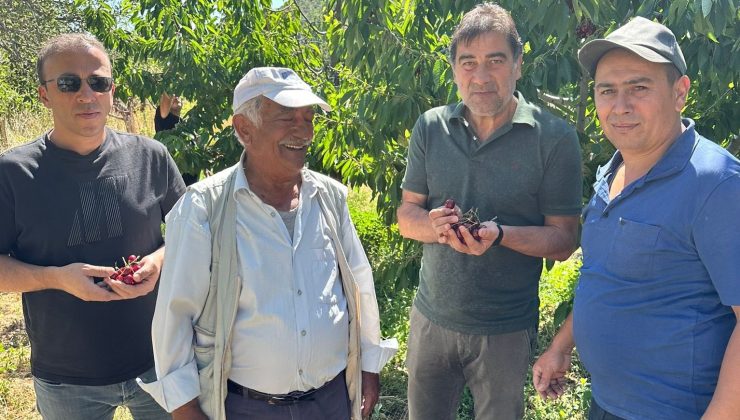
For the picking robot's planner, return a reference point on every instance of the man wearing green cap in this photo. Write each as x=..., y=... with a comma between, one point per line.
x=656, y=310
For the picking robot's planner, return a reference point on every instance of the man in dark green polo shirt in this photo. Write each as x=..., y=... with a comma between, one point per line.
x=475, y=316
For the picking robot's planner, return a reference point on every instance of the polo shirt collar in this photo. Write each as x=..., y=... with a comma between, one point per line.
x=674, y=160
x=524, y=113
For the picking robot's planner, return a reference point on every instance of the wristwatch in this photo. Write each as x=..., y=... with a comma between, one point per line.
x=500, y=236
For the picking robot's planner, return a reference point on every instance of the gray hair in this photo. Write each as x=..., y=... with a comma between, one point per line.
x=482, y=19
x=64, y=43
x=251, y=110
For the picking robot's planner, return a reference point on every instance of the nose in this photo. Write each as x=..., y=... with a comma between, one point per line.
x=481, y=74
x=303, y=124
x=622, y=103
x=304, y=129
x=85, y=94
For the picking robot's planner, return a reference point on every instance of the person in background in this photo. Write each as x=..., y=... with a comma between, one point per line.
x=166, y=117
x=167, y=114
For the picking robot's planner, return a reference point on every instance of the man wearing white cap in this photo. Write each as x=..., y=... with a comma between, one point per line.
x=271, y=311
x=656, y=311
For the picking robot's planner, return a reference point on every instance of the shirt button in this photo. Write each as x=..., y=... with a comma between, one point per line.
x=300, y=371
x=303, y=332
x=300, y=292
x=272, y=214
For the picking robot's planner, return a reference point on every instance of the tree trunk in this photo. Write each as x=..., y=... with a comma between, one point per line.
x=132, y=125
x=4, y=139
x=582, y=102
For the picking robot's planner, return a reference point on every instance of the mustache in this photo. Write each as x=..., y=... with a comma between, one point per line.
x=488, y=87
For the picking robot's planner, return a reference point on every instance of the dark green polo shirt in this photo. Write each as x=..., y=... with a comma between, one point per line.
x=527, y=169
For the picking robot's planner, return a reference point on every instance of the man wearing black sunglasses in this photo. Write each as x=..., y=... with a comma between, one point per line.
x=73, y=203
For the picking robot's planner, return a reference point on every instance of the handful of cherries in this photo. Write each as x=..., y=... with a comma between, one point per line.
x=469, y=219
x=126, y=272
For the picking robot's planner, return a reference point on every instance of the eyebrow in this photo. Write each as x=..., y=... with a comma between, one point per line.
x=497, y=54
x=636, y=81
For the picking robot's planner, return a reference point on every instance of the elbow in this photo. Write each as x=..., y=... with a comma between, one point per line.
x=403, y=223
x=403, y=230
x=564, y=253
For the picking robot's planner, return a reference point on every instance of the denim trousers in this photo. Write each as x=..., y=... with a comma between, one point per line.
x=441, y=362
x=58, y=401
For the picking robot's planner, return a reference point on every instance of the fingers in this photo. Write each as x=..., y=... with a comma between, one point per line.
x=97, y=271
x=546, y=385
x=442, y=219
x=468, y=245
x=130, y=291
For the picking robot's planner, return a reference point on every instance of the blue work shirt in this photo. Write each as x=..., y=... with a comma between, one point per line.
x=661, y=270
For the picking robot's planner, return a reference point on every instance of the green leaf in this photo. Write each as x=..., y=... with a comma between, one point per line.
x=561, y=313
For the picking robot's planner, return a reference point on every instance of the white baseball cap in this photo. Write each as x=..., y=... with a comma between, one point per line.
x=279, y=84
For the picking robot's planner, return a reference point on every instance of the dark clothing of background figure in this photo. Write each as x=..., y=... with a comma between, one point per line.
x=168, y=123
x=58, y=207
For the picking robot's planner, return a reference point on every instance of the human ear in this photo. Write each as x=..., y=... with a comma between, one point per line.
x=242, y=128
x=681, y=91
x=43, y=95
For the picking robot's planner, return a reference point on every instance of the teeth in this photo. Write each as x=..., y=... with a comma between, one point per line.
x=294, y=147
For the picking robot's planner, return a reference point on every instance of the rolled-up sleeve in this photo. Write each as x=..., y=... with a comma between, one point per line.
x=375, y=352
x=183, y=288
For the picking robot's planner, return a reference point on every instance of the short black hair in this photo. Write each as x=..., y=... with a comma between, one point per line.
x=66, y=42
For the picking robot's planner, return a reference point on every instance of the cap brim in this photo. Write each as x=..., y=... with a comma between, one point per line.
x=296, y=98
x=592, y=52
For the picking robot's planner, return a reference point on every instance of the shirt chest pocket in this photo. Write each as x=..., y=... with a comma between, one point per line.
x=633, y=250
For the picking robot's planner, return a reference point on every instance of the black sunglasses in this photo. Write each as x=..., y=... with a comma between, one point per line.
x=73, y=83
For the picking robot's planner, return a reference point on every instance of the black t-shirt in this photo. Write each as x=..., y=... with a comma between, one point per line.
x=168, y=123
x=57, y=208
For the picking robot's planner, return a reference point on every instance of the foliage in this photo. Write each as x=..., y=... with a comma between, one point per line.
x=24, y=26
x=557, y=287
x=10, y=99
x=198, y=50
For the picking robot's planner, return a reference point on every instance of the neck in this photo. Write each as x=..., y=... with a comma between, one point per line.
x=485, y=125
x=635, y=165
x=281, y=192
x=79, y=144
x=638, y=163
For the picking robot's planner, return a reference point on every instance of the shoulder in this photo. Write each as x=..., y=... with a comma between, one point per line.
x=138, y=144
x=712, y=160
x=440, y=114
x=328, y=183
x=24, y=156
x=548, y=123
x=214, y=182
